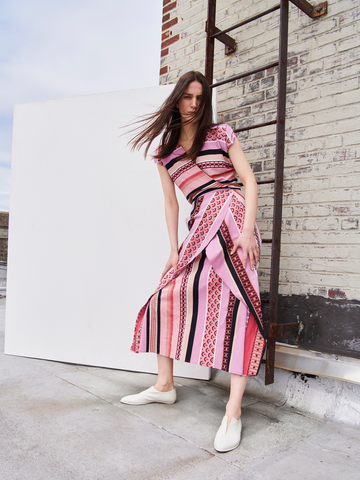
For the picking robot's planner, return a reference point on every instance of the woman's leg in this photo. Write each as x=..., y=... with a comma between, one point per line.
x=229, y=434
x=237, y=389
x=165, y=379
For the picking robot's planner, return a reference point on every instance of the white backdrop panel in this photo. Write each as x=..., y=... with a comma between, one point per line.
x=87, y=239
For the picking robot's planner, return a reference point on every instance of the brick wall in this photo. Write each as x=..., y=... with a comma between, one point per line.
x=4, y=226
x=320, y=254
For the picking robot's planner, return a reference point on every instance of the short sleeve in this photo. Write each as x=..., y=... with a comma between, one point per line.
x=230, y=136
x=158, y=161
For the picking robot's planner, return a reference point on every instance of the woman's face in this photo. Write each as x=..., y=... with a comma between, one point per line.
x=190, y=101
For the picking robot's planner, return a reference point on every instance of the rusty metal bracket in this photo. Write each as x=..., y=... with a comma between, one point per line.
x=284, y=330
x=312, y=11
x=230, y=45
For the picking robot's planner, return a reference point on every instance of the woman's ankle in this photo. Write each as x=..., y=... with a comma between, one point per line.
x=164, y=386
x=233, y=412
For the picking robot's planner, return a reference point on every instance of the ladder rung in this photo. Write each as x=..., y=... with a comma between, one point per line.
x=264, y=182
x=261, y=182
x=237, y=77
x=265, y=124
x=240, y=24
x=267, y=240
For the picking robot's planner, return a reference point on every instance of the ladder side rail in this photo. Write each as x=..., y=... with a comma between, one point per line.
x=210, y=41
x=278, y=190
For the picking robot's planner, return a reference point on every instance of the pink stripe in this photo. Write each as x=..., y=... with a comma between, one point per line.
x=142, y=347
x=221, y=330
x=197, y=345
x=191, y=179
x=237, y=351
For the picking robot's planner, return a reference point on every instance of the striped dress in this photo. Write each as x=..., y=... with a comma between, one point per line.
x=207, y=311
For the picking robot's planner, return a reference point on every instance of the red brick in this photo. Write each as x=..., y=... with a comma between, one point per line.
x=165, y=35
x=336, y=293
x=172, y=22
x=165, y=18
x=165, y=2
x=164, y=52
x=292, y=61
x=170, y=41
x=164, y=70
x=169, y=7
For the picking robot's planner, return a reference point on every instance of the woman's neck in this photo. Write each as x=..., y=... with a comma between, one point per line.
x=187, y=135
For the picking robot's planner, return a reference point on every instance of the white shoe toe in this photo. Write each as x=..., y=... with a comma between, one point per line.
x=227, y=439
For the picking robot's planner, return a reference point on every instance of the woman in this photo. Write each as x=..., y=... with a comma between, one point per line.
x=206, y=309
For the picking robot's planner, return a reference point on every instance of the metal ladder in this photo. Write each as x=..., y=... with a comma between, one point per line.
x=275, y=330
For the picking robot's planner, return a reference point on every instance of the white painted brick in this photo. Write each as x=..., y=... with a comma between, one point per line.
x=348, y=43
x=316, y=79
x=336, y=7
x=180, y=9
x=355, y=194
x=342, y=33
x=328, y=251
x=317, y=104
x=318, y=53
x=353, y=281
x=352, y=180
x=348, y=125
x=317, y=28
x=321, y=187
x=194, y=12
x=179, y=63
x=336, y=60
x=351, y=138
x=335, y=114
x=349, y=71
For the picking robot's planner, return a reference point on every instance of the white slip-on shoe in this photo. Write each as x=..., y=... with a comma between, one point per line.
x=151, y=395
x=227, y=439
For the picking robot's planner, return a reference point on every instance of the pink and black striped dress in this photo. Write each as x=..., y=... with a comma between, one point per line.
x=207, y=311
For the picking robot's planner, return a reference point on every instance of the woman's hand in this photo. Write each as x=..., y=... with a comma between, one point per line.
x=172, y=262
x=247, y=242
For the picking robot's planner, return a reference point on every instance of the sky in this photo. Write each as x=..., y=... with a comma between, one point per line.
x=53, y=49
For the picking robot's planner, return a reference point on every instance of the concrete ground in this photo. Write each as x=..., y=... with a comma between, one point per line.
x=61, y=421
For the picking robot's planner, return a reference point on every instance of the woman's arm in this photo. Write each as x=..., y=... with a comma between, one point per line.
x=246, y=239
x=172, y=217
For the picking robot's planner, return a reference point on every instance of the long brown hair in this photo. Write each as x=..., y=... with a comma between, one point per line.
x=167, y=121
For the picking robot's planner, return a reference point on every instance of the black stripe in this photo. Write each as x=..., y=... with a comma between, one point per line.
x=173, y=161
x=238, y=282
x=203, y=153
x=262, y=356
x=212, y=190
x=232, y=333
x=195, y=307
x=193, y=209
x=158, y=321
x=217, y=151
x=210, y=151
x=200, y=188
x=148, y=327
x=229, y=181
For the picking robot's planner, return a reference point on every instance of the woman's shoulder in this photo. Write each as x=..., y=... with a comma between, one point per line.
x=222, y=133
x=163, y=161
